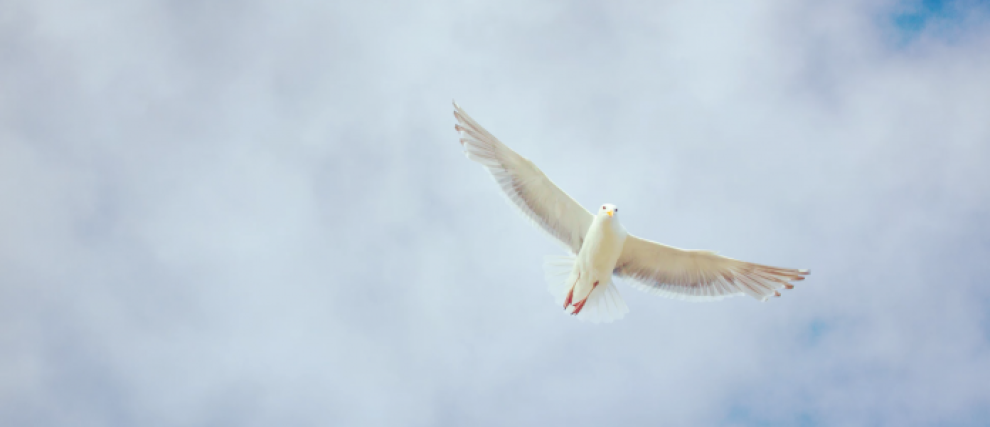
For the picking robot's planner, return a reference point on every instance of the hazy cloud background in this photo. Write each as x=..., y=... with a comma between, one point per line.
x=256, y=213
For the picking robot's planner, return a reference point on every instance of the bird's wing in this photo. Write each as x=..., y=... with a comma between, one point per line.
x=698, y=275
x=524, y=184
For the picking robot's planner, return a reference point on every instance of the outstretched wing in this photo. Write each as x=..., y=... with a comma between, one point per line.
x=524, y=184
x=698, y=275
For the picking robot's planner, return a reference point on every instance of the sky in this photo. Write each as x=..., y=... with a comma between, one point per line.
x=257, y=213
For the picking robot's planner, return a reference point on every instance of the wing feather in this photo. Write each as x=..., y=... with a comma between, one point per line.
x=524, y=184
x=699, y=275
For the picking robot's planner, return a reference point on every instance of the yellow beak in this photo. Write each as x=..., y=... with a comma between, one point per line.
x=609, y=213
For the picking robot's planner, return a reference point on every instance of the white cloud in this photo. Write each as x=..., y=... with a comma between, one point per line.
x=258, y=213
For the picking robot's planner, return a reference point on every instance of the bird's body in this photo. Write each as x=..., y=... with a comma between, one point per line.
x=602, y=249
x=596, y=260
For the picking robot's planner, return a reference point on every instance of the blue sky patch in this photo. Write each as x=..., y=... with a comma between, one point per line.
x=914, y=19
x=743, y=416
x=816, y=330
x=917, y=16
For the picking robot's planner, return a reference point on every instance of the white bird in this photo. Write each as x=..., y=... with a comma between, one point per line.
x=602, y=248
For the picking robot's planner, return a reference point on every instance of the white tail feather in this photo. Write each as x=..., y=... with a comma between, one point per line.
x=556, y=270
x=604, y=305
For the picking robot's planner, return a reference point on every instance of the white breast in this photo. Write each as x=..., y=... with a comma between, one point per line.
x=599, y=253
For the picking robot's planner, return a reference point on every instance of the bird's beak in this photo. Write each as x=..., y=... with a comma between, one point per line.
x=609, y=213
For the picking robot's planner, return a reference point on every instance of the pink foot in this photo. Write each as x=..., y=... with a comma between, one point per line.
x=580, y=305
x=567, y=301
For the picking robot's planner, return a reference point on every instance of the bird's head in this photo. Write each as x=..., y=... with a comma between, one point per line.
x=608, y=209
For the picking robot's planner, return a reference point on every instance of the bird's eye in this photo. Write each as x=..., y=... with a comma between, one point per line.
x=617, y=209
x=603, y=207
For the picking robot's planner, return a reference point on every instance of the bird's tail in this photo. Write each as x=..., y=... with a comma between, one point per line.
x=604, y=304
x=556, y=270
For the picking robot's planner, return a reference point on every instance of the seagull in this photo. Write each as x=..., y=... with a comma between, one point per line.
x=601, y=249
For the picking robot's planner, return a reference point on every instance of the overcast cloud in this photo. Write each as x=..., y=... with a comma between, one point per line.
x=257, y=213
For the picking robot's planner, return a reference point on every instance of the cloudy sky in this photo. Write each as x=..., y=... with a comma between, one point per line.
x=223, y=213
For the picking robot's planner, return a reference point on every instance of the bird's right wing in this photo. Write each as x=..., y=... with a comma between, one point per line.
x=524, y=184
x=698, y=275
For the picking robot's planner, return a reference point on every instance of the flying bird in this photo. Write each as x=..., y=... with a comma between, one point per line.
x=601, y=249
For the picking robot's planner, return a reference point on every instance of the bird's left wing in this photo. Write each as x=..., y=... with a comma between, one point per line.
x=524, y=184
x=699, y=275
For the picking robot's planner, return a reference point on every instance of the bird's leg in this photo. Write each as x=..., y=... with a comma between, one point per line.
x=570, y=293
x=580, y=305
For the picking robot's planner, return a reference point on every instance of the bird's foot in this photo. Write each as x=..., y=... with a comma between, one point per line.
x=570, y=296
x=578, y=307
